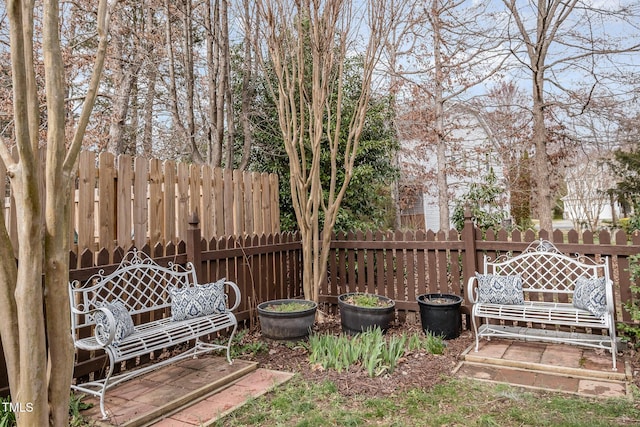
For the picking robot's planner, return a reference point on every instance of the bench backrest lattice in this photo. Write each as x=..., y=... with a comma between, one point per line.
x=544, y=268
x=139, y=283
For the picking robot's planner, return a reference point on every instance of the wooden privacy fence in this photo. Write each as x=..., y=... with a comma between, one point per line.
x=123, y=201
x=401, y=265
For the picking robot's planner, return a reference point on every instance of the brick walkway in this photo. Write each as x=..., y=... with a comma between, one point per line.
x=185, y=394
x=553, y=367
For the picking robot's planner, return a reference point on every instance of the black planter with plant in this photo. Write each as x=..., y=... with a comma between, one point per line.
x=440, y=314
x=361, y=311
x=287, y=319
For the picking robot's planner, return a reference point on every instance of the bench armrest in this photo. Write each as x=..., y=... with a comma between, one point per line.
x=472, y=289
x=237, y=296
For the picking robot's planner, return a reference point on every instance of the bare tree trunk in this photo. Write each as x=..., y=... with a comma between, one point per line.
x=147, y=137
x=187, y=48
x=247, y=84
x=175, y=115
x=117, y=143
x=214, y=150
x=40, y=377
x=441, y=143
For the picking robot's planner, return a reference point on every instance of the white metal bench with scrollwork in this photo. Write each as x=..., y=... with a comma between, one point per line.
x=542, y=286
x=180, y=310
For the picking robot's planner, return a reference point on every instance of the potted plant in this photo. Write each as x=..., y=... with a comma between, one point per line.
x=360, y=311
x=440, y=314
x=287, y=319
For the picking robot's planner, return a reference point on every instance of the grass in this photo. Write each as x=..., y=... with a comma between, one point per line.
x=454, y=402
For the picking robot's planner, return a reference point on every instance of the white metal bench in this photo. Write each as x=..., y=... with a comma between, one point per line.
x=548, y=280
x=145, y=288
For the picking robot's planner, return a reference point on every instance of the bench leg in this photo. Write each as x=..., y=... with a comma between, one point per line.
x=235, y=327
x=104, y=390
x=475, y=330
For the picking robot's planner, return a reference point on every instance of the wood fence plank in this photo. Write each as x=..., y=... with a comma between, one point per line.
x=228, y=202
x=140, y=202
x=169, y=202
x=106, y=201
x=182, y=195
x=432, y=268
x=86, y=201
x=256, y=204
x=206, y=217
x=195, y=195
x=352, y=281
x=274, y=204
x=266, y=201
x=156, y=205
x=124, y=208
x=247, y=199
x=218, y=203
x=238, y=204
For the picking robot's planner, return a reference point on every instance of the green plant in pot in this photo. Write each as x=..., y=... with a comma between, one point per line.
x=287, y=319
x=361, y=311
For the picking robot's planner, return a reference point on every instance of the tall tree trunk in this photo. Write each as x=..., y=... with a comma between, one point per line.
x=188, y=62
x=441, y=143
x=147, y=136
x=248, y=88
x=173, y=92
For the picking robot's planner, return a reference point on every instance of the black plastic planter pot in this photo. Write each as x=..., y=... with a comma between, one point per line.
x=356, y=319
x=286, y=325
x=440, y=314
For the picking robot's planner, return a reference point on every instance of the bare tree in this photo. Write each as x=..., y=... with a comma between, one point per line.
x=552, y=38
x=34, y=320
x=308, y=42
x=457, y=54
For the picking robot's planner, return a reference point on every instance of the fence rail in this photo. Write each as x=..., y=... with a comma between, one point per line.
x=400, y=265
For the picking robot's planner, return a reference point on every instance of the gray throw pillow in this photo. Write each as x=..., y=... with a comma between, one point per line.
x=124, y=322
x=499, y=289
x=199, y=300
x=590, y=294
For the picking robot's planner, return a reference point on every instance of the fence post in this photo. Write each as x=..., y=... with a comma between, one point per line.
x=469, y=261
x=194, y=244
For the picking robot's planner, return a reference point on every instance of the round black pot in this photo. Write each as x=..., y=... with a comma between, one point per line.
x=286, y=325
x=356, y=319
x=440, y=314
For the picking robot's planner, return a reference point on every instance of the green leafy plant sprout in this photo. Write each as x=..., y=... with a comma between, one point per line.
x=366, y=300
x=7, y=417
x=370, y=351
x=289, y=307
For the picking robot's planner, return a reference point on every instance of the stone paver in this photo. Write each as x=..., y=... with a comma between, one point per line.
x=561, y=355
x=527, y=352
x=553, y=367
x=602, y=388
x=492, y=349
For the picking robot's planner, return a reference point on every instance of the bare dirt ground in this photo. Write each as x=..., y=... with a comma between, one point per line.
x=415, y=370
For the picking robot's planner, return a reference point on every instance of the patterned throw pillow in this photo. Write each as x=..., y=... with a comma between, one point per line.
x=497, y=289
x=199, y=300
x=124, y=322
x=590, y=294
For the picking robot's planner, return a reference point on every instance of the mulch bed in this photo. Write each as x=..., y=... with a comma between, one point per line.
x=418, y=369
x=415, y=370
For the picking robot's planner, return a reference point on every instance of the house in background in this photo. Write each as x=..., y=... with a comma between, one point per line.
x=470, y=157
